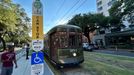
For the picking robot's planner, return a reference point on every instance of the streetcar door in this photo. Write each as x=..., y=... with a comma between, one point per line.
x=53, y=46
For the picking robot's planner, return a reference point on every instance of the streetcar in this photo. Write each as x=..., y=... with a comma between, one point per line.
x=63, y=45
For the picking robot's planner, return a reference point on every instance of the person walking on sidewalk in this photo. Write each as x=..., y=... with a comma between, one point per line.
x=27, y=51
x=7, y=59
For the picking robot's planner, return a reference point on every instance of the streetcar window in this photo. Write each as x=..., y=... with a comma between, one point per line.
x=54, y=39
x=62, y=29
x=78, y=30
x=75, y=40
x=63, y=40
x=79, y=40
x=71, y=30
x=72, y=40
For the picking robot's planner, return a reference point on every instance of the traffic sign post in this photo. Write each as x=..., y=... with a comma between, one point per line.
x=37, y=63
x=37, y=58
x=37, y=26
x=37, y=69
x=37, y=45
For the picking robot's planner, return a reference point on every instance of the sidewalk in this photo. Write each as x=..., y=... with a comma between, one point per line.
x=24, y=66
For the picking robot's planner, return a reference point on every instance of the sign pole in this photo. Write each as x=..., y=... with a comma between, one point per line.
x=37, y=58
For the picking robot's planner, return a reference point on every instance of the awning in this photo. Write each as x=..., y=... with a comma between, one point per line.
x=123, y=33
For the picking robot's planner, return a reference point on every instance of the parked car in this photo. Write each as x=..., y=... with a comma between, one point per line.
x=88, y=47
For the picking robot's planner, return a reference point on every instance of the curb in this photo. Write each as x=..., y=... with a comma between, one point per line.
x=49, y=69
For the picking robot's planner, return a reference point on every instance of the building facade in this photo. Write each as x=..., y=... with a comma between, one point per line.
x=104, y=5
x=111, y=37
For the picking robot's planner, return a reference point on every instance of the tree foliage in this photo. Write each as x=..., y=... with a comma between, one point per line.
x=89, y=22
x=7, y=17
x=123, y=10
x=89, y=19
x=14, y=22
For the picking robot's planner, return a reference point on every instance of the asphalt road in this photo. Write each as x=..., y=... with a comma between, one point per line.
x=123, y=53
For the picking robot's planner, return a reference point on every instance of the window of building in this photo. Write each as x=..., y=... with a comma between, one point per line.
x=111, y=2
x=99, y=3
x=100, y=8
x=97, y=0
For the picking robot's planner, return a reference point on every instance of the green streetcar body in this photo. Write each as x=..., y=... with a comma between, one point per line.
x=63, y=45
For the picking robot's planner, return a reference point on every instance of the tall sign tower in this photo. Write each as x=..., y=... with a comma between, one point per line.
x=37, y=58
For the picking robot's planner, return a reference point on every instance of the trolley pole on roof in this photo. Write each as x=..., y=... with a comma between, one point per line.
x=37, y=58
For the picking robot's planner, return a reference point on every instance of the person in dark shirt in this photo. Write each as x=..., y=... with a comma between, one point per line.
x=7, y=59
x=27, y=51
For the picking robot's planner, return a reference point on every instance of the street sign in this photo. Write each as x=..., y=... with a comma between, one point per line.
x=37, y=8
x=37, y=58
x=37, y=45
x=37, y=63
x=37, y=26
x=37, y=69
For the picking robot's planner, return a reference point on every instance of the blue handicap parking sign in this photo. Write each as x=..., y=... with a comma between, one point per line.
x=37, y=58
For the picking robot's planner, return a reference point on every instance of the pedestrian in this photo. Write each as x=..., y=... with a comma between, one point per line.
x=27, y=51
x=7, y=59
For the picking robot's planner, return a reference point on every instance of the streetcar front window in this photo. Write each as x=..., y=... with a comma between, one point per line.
x=63, y=39
x=72, y=40
x=75, y=40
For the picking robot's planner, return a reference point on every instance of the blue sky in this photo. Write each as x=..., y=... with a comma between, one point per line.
x=52, y=16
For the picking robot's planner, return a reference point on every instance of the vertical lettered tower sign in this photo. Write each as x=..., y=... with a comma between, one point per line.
x=37, y=58
x=37, y=26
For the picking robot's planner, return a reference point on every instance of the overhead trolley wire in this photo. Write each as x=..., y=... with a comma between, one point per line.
x=78, y=8
x=59, y=9
x=69, y=10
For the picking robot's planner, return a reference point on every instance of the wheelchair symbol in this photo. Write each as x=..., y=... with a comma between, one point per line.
x=37, y=60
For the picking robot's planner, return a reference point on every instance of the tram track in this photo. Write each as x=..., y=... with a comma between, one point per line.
x=74, y=70
x=99, y=64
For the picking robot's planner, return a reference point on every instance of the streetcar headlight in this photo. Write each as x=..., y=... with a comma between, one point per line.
x=74, y=54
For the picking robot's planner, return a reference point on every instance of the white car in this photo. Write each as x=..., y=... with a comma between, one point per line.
x=88, y=47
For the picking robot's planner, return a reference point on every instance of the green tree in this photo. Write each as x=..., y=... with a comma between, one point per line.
x=123, y=10
x=92, y=20
x=23, y=26
x=14, y=22
x=89, y=22
x=76, y=20
x=7, y=18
